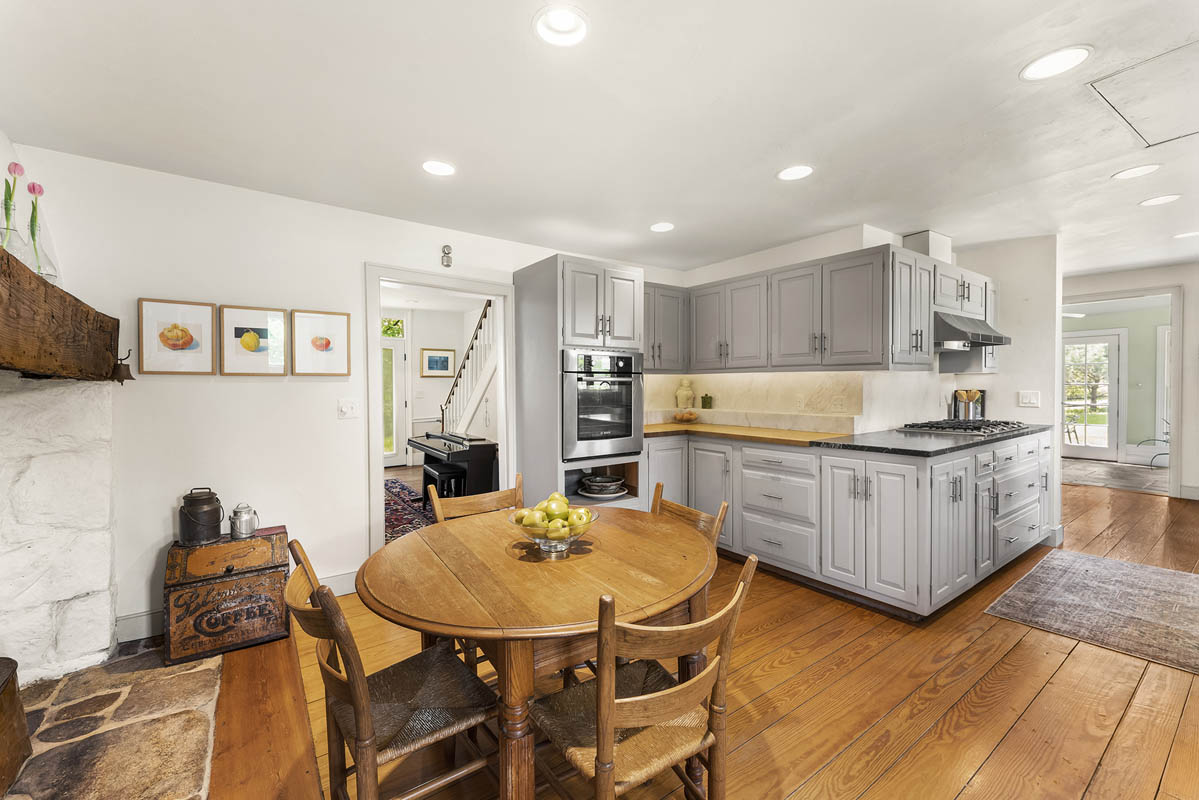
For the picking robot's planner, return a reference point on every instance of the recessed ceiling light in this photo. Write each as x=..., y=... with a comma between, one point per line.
x=1160, y=201
x=439, y=168
x=563, y=26
x=1186, y=235
x=662, y=227
x=794, y=173
x=1072, y=316
x=1136, y=172
x=1056, y=63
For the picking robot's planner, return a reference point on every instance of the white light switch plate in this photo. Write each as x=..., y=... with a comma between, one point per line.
x=347, y=408
x=1030, y=399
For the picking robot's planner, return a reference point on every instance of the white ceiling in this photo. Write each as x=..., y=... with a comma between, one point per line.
x=679, y=110
x=1119, y=305
x=427, y=298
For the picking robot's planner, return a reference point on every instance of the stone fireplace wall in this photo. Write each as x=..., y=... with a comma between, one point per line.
x=56, y=524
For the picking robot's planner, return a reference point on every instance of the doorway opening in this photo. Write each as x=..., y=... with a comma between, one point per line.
x=1118, y=375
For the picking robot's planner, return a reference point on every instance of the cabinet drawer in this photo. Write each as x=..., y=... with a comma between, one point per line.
x=984, y=463
x=1018, y=488
x=1015, y=535
x=778, y=542
x=1005, y=456
x=1029, y=450
x=779, y=494
x=1045, y=445
x=777, y=459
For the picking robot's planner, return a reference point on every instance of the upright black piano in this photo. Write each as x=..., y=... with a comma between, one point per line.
x=480, y=457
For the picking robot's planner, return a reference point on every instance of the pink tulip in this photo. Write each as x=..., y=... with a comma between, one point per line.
x=36, y=189
x=15, y=169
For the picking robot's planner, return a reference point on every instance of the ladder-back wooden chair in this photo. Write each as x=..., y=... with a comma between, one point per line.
x=635, y=720
x=710, y=526
x=428, y=698
x=453, y=507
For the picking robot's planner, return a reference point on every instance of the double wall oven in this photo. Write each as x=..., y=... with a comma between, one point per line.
x=602, y=407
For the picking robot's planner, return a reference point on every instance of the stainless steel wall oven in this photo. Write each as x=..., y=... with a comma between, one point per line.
x=602, y=407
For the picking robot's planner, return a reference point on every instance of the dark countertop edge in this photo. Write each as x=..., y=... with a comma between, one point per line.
x=967, y=443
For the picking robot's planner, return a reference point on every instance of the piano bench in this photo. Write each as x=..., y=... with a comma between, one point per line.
x=450, y=480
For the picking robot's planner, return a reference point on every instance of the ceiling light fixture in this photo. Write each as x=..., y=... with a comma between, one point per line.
x=561, y=26
x=438, y=168
x=662, y=227
x=1072, y=315
x=1136, y=172
x=1160, y=201
x=1055, y=63
x=1186, y=235
x=794, y=173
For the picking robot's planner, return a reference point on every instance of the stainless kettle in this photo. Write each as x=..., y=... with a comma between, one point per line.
x=240, y=524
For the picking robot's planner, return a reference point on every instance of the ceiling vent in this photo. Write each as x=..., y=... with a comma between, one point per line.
x=1157, y=98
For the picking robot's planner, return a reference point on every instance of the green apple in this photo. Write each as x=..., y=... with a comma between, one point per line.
x=557, y=530
x=557, y=509
x=535, y=519
x=541, y=506
x=578, y=516
x=519, y=515
x=557, y=496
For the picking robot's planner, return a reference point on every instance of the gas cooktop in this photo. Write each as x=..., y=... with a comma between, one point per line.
x=968, y=427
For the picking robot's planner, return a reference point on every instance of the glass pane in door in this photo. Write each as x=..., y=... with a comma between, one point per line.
x=1087, y=413
x=389, y=411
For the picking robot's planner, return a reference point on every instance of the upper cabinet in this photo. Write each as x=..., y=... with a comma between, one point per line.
x=708, y=314
x=795, y=309
x=602, y=306
x=911, y=308
x=666, y=328
x=746, y=331
x=959, y=291
x=853, y=310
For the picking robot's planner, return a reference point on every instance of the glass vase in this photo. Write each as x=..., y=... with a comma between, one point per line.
x=38, y=260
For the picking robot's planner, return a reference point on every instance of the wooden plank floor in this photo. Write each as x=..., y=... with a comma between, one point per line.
x=831, y=700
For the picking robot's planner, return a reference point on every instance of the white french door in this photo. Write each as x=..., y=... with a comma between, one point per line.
x=395, y=411
x=1091, y=392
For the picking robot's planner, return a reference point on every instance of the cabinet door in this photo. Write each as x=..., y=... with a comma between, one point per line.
x=707, y=328
x=668, y=465
x=942, y=516
x=745, y=343
x=903, y=328
x=853, y=312
x=922, y=311
x=842, y=520
x=890, y=495
x=974, y=295
x=984, y=527
x=1046, y=495
x=624, y=305
x=582, y=303
x=670, y=319
x=947, y=287
x=795, y=317
x=991, y=354
x=711, y=483
x=649, y=325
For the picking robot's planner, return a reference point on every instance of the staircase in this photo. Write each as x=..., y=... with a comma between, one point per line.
x=474, y=373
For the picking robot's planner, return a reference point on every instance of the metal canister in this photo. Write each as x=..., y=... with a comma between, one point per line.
x=240, y=524
x=200, y=517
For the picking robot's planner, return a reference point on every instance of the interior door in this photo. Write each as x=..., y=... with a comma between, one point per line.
x=1091, y=371
x=395, y=413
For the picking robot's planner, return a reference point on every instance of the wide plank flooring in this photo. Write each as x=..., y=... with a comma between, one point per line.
x=831, y=700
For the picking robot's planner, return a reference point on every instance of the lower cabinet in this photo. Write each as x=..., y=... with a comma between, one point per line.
x=842, y=520
x=984, y=527
x=668, y=465
x=710, y=467
x=951, y=523
x=786, y=544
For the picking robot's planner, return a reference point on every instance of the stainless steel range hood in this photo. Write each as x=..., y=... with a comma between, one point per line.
x=955, y=332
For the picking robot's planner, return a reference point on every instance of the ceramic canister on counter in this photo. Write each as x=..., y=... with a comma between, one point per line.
x=200, y=517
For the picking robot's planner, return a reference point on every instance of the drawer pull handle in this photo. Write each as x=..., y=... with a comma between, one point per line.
x=773, y=496
x=774, y=542
x=1009, y=494
x=1033, y=527
x=1047, y=447
x=1008, y=458
x=1011, y=539
x=773, y=460
x=1032, y=486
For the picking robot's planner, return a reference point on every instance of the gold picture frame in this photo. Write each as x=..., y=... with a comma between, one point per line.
x=441, y=362
x=320, y=343
x=176, y=337
x=269, y=324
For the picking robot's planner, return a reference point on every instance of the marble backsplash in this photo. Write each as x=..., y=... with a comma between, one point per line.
x=818, y=423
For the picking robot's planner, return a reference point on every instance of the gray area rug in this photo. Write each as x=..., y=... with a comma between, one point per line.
x=1147, y=612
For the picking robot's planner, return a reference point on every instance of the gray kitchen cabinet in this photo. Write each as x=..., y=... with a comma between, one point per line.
x=974, y=294
x=1046, y=496
x=952, y=528
x=842, y=520
x=707, y=327
x=601, y=306
x=947, y=288
x=795, y=308
x=904, y=331
x=853, y=311
x=666, y=324
x=668, y=465
x=711, y=482
x=991, y=354
x=889, y=494
x=746, y=334
x=922, y=311
x=984, y=527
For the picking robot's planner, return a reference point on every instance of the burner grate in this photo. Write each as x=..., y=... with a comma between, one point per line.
x=976, y=427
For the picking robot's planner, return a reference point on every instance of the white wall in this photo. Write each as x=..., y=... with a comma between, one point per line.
x=437, y=330
x=275, y=443
x=832, y=243
x=1186, y=276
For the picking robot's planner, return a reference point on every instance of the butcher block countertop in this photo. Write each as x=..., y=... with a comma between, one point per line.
x=745, y=433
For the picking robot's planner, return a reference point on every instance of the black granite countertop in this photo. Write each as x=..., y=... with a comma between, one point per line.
x=920, y=444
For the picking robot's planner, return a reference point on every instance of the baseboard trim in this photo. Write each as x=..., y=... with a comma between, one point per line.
x=1189, y=492
x=145, y=624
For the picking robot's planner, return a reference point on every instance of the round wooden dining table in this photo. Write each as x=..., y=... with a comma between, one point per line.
x=478, y=578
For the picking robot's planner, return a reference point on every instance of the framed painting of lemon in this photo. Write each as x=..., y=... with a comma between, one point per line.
x=176, y=337
x=253, y=341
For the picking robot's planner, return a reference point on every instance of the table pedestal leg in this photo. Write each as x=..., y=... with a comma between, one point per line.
x=515, y=668
x=690, y=666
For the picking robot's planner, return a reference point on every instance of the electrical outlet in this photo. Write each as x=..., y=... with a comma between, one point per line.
x=1030, y=399
x=801, y=402
x=347, y=408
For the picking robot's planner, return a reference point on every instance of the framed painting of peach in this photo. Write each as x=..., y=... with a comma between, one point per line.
x=320, y=343
x=176, y=337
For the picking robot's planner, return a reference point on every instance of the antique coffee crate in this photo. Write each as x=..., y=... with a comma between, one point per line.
x=225, y=595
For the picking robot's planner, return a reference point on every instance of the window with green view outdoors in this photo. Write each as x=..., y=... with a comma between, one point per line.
x=389, y=420
x=393, y=328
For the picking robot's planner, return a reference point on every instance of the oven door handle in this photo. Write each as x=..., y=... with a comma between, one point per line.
x=605, y=379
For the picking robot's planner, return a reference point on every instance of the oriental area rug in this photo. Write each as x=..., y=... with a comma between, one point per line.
x=402, y=510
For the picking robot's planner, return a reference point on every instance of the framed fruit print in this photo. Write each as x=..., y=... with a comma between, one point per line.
x=176, y=337
x=320, y=343
x=253, y=340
